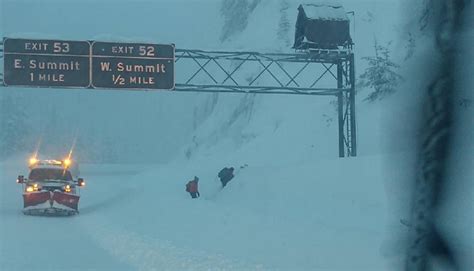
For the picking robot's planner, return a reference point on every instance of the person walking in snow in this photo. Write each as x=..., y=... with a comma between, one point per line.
x=225, y=175
x=192, y=187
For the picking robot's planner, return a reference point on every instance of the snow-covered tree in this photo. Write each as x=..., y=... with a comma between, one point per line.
x=381, y=75
x=88, y=147
x=13, y=124
x=109, y=151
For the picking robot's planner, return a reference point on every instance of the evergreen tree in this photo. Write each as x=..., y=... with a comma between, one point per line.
x=109, y=152
x=88, y=148
x=13, y=124
x=381, y=75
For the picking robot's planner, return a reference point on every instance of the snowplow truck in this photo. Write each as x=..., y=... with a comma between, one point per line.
x=50, y=189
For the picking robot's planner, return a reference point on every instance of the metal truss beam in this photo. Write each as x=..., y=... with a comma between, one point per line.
x=331, y=73
x=272, y=65
x=302, y=56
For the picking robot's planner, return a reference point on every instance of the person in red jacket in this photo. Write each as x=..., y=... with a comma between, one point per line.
x=192, y=188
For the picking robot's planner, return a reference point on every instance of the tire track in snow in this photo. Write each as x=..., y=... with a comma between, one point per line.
x=149, y=253
x=141, y=251
x=122, y=196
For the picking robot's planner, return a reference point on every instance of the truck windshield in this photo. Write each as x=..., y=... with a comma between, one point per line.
x=40, y=174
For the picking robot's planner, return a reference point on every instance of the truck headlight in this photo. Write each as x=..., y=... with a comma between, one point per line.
x=32, y=188
x=67, y=188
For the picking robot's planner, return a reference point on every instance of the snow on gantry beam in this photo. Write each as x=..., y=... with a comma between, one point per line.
x=301, y=56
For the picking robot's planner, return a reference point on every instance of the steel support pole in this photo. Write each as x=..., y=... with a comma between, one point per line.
x=340, y=110
x=352, y=109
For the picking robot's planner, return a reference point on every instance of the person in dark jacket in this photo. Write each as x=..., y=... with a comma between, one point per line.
x=225, y=175
x=192, y=188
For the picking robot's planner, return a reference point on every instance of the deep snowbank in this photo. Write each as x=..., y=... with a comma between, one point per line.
x=302, y=217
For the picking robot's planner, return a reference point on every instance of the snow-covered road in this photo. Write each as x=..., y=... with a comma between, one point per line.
x=336, y=214
x=139, y=218
x=46, y=243
x=101, y=237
